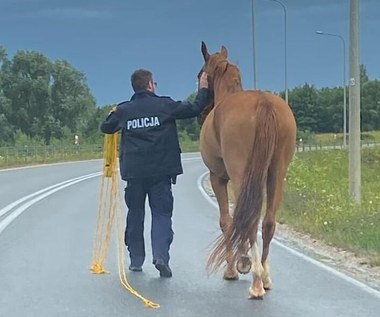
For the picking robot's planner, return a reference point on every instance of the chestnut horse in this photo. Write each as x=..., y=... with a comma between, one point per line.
x=247, y=138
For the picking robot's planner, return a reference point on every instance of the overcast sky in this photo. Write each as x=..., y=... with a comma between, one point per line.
x=108, y=40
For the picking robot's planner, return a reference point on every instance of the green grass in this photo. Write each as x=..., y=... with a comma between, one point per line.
x=22, y=156
x=317, y=201
x=189, y=146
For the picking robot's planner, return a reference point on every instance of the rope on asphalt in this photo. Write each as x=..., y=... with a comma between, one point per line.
x=109, y=212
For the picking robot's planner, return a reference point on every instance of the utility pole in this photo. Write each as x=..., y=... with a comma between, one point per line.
x=354, y=117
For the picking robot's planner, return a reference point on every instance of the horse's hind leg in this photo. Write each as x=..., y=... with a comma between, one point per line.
x=256, y=291
x=275, y=183
x=219, y=185
x=260, y=269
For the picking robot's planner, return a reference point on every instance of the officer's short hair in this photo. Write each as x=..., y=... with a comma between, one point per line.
x=140, y=79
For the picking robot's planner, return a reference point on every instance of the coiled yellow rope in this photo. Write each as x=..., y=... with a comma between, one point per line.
x=109, y=211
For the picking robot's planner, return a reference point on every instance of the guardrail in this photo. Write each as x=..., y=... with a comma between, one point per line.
x=314, y=147
x=23, y=155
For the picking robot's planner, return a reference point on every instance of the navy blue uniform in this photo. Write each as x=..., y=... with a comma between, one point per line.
x=150, y=158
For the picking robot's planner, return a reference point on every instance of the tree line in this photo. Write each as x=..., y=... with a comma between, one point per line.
x=42, y=101
x=321, y=110
x=47, y=102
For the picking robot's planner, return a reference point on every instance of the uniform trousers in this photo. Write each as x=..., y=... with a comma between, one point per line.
x=160, y=198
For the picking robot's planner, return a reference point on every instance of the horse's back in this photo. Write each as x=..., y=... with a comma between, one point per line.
x=237, y=114
x=242, y=106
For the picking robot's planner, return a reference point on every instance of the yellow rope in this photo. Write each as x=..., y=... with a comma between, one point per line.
x=109, y=210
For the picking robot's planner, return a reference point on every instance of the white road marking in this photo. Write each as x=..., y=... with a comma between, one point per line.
x=52, y=189
x=9, y=207
x=41, y=194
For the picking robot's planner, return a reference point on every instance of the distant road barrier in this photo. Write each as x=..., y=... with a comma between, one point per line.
x=24, y=155
x=315, y=147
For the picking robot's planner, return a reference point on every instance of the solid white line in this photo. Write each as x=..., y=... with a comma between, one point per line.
x=9, y=207
x=341, y=275
x=49, y=191
x=10, y=218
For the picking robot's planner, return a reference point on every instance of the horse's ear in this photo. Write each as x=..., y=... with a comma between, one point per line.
x=224, y=52
x=205, y=53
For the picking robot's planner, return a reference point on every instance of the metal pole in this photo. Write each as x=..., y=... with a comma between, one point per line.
x=253, y=45
x=285, y=49
x=344, y=97
x=354, y=118
x=344, y=84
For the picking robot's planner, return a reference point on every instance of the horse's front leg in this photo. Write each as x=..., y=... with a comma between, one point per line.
x=219, y=185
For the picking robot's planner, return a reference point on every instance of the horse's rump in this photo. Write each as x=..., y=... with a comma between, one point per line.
x=229, y=130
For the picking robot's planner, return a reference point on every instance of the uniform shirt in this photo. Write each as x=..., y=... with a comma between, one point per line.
x=149, y=144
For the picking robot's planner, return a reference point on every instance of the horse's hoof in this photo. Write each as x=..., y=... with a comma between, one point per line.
x=256, y=294
x=230, y=276
x=244, y=264
x=267, y=283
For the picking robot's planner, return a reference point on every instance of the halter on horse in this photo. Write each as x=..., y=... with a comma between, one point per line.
x=248, y=137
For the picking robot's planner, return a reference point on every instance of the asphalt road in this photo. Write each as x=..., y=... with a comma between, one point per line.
x=47, y=223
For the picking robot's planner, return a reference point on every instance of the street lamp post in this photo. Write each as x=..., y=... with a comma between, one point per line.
x=285, y=49
x=344, y=84
x=254, y=44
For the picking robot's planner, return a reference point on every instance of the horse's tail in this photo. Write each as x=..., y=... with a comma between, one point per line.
x=249, y=203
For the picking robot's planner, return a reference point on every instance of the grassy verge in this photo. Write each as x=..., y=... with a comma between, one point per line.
x=22, y=156
x=317, y=201
x=13, y=156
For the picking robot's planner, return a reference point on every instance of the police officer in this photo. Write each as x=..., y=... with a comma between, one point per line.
x=150, y=161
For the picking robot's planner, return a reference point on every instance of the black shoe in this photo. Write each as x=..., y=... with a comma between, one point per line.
x=164, y=268
x=135, y=268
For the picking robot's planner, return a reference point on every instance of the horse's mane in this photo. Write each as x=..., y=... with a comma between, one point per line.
x=230, y=74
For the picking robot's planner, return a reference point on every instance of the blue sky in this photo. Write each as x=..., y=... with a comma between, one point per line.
x=108, y=39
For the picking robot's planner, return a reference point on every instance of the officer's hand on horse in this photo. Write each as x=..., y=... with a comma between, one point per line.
x=203, y=81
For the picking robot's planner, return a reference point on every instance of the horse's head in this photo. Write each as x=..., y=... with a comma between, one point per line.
x=220, y=71
x=224, y=78
x=215, y=64
x=212, y=66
